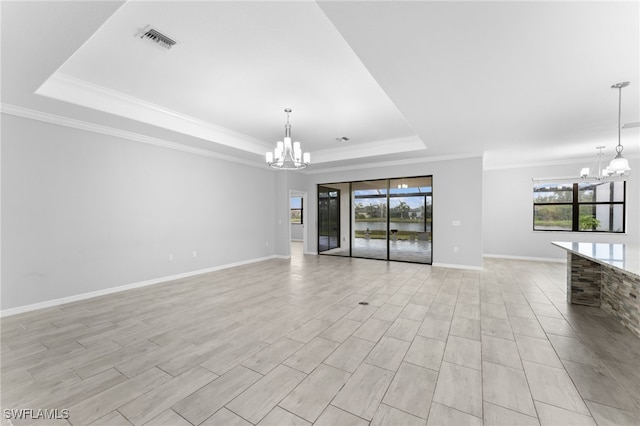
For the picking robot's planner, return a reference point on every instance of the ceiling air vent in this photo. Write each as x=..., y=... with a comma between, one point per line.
x=153, y=35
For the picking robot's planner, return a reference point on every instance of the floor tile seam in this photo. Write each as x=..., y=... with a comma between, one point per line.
x=601, y=361
x=332, y=398
x=346, y=411
x=637, y=413
x=263, y=374
x=237, y=414
x=422, y=366
x=435, y=386
x=363, y=359
x=22, y=370
x=395, y=373
x=462, y=365
x=570, y=378
x=482, y=356
x=291, y=412
x=119, y=412
x=634, y=399
x=629, y=394
x=406, y=412
x=514, y=338
x=256, y=381
x=177, y=414
x=566, y=409
x=519, y=412
x=162, y=384
x=510, y=368
x=460, y=411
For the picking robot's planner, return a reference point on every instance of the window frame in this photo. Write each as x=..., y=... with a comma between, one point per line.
x=575, y=204
x=292, y=209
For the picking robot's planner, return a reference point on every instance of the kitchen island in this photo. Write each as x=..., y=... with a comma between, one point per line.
x=605, y=275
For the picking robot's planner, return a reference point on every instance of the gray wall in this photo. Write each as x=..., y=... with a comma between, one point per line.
x=508, y=213
x=457, y=195
x=297, y=232
x=83, y=212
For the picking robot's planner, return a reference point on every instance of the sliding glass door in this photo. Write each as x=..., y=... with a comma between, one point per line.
x=328, y=218
x=388, y=219
x=410, y=202
x=369, y=219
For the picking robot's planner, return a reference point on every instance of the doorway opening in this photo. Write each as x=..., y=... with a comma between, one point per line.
x=297, y=222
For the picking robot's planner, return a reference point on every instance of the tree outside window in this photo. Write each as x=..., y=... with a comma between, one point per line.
x=579, y=206
x=296, y=206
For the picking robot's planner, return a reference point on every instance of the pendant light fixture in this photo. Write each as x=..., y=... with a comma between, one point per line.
x=619, y=165
x=288, y=155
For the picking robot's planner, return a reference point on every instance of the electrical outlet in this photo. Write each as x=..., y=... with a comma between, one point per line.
x=455, y=249
x=170, y=258
x=195, y=253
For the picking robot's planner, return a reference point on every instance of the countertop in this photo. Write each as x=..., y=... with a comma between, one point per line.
x=620, y=256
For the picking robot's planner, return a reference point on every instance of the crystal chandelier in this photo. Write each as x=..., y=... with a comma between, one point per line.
x=287, y=155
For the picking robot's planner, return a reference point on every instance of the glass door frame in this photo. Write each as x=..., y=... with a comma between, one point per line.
x=329, y=189
x=388, y=217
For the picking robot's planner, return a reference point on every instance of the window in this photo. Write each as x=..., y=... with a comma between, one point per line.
x=296, y=210
x=579, y=207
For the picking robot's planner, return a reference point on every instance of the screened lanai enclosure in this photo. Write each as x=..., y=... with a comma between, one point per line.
x=387, y=219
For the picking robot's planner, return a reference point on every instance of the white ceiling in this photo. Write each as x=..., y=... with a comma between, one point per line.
x=516, y=82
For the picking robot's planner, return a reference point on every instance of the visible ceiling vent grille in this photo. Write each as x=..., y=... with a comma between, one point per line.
x=155, y=36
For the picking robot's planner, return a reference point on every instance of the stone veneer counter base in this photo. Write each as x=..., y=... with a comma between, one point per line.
x=605, y=275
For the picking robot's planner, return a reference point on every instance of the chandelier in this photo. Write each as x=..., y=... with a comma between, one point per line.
x=601, y=174
x=287, y=155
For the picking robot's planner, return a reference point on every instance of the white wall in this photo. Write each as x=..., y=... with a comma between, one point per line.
x=84, y=212
x=457, y=195
x=508, y=213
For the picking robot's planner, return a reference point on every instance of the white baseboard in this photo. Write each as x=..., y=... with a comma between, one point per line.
x=83, y=296
x=456, y=266
x=535, y=259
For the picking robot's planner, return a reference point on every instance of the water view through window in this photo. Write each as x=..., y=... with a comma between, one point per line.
x=388, y=219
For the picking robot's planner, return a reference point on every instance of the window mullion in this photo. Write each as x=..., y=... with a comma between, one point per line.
x=575, y=223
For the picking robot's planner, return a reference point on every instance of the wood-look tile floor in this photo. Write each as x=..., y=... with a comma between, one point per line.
x=286, y=342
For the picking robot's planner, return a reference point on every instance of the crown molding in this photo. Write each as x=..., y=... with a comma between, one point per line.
x=110, y=131
x=392, y=163
x=80, y=92
x=369, y=149
x=585, y=161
